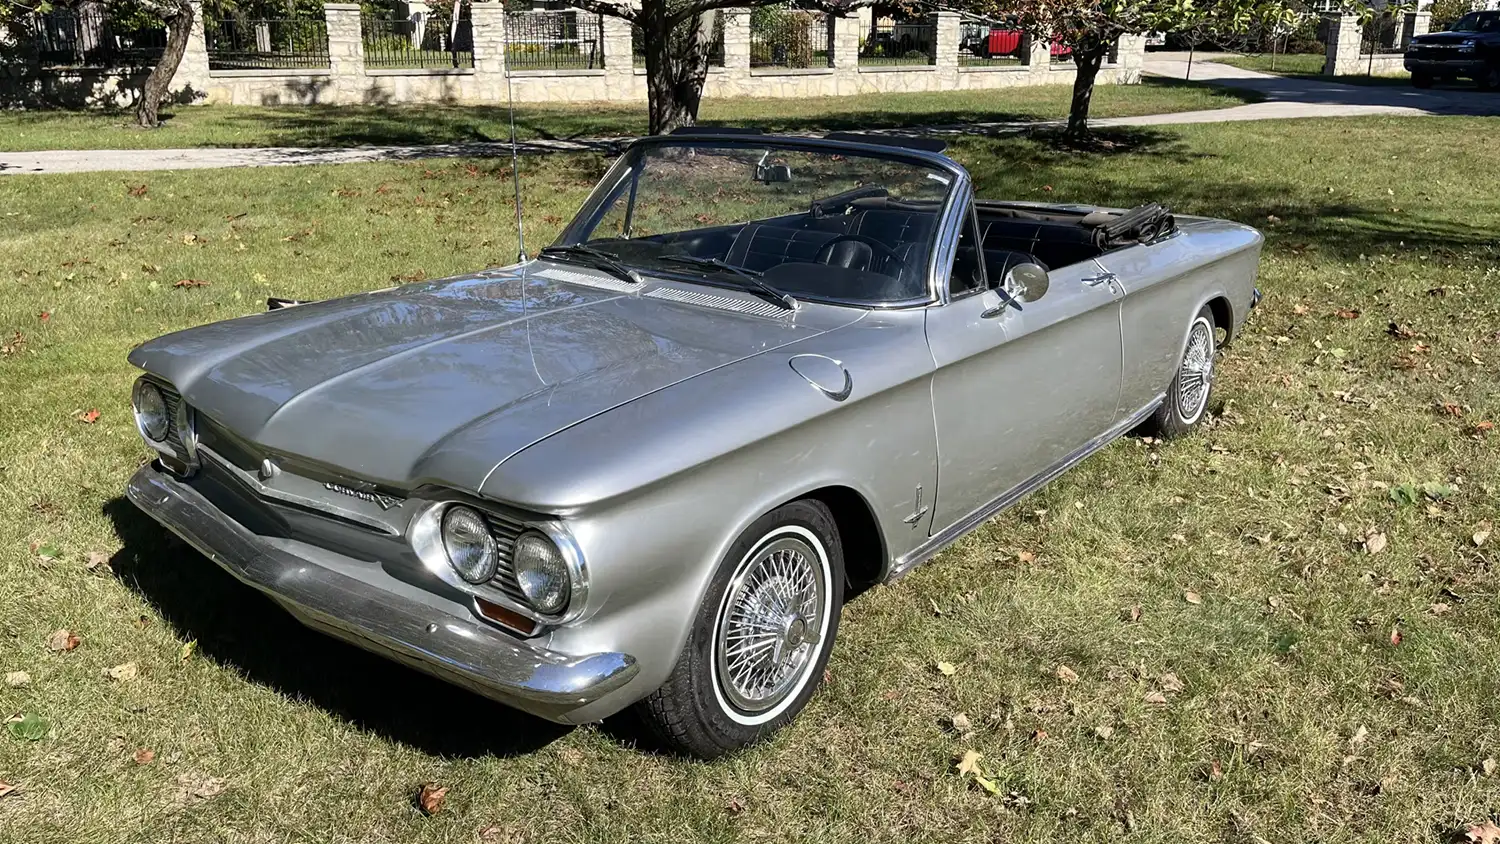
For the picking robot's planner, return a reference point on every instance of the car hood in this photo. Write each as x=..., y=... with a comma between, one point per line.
x=1444, y=37
x=440, y=382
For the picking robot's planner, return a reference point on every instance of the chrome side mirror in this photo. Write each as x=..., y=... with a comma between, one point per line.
x=1028, y=281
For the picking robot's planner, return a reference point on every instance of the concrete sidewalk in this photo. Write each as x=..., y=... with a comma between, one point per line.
x=1285, y=97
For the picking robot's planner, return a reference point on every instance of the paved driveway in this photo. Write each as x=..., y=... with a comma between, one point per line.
x=1286, y=97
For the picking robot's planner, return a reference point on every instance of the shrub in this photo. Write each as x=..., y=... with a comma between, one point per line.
x=1445, y=12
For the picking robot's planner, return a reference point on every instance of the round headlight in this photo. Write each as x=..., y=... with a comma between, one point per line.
x=150, y=411
x=542, y=572
x=468, y=543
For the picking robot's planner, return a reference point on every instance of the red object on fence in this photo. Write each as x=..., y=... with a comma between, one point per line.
x=1003, y=42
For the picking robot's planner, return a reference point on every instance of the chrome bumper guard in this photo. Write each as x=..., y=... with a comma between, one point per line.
x=467, y=653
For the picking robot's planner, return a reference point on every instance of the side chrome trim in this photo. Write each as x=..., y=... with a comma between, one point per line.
x=903, y=565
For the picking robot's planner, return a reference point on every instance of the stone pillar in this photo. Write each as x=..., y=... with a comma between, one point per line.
x=1417, y=23
x=1344, y=34
x=1038, y=58
x=619, y=63
x=488, y=22
x=192, y=72
x=1130, y=56
x=736, y=40
x=346, y=52
x=945, y=41
x=844, y=42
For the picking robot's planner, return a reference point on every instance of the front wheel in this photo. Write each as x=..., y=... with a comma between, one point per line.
x=1421, y=79
x=761, y=638
x=1489, y=78
x=1186, y=402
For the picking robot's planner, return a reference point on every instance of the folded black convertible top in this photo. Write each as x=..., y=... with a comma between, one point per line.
x=1141, y=224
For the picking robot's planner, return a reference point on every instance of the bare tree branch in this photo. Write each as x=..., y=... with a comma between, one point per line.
x=607, y=7
x=683, y=11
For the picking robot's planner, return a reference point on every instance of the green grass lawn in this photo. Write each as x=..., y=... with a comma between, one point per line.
x=1306, y=65
x=244, y=126
x=1373, y=364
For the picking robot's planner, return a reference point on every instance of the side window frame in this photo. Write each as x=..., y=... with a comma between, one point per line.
x=972, y=221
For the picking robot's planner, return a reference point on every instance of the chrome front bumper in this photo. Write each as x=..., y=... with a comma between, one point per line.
x=462, y=651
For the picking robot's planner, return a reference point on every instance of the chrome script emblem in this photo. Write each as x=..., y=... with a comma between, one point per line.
x=385, y=502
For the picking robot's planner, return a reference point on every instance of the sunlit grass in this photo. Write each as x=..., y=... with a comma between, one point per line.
x=1298, y=721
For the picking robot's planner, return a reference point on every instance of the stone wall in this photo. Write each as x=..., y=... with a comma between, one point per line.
x=1346, y=56
x=348, y=80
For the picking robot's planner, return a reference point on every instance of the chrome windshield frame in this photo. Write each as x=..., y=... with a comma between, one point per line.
x=945, y=232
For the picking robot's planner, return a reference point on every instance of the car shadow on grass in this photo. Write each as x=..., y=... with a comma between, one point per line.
x=237, y=626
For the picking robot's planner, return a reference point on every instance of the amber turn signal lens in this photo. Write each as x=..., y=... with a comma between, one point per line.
x=509, y=618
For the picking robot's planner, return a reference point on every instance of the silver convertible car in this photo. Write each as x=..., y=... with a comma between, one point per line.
x=646, y=466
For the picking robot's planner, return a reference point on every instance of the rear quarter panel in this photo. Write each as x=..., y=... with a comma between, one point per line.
x=1166, y=283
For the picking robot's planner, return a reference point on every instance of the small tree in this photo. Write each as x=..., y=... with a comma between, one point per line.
x=679, y=40
x=178, y=16
x=1091, y=28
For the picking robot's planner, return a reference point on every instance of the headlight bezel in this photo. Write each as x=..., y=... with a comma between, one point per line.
x=178, y=446
x=425, y=538
x=144, y=387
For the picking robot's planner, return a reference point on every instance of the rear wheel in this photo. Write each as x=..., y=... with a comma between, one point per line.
x=1187, y=397
x=761, y=639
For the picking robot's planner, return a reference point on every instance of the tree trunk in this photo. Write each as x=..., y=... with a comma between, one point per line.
x=1087, y=61
x=179, y=27
x=676, y=66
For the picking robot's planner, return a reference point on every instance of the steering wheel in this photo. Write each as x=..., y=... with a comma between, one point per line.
x=876, y=246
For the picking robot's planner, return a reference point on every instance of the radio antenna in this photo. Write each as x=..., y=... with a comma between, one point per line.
x=515, y=159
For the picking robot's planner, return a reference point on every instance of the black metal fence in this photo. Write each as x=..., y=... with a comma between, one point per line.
x=273, y=43
x=898, y=44
x=424, y=40
x=992, y=44
x=91, y=37
x=791, y=39
x=567, y=40
x=715, y=47
x=1382, y=34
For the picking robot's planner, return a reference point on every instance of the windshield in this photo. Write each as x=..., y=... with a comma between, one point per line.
x=1477, y=22
x=816, y=224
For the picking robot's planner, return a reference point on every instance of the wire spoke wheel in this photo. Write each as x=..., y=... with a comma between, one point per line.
x=770, y=624
x=1195, y=378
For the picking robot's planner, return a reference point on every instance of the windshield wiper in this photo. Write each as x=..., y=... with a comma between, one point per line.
x=597, y=258
x=751, y=278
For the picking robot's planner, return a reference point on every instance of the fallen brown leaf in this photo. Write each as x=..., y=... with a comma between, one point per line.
x=1375, y=542
x=63, y=640
x=1134, y=614
x=1489, y=767
x=1066, y=674
x=947, y=669
x=94, y=559
x=122, y=672
x=1395, y=635
x=136, y=191
x=88, y=417
x=1155, y=697
x=1170, y=682
x=430, y=798
x=1026, y=556
x=1104, y=731
x=1483, y=833
x=17, y=679
x=961, y=724
x=969, y=764
x=190, y=282
x=6, y=789
x=735, y=805
x=1346, y=313
x=144, y=756
x=1192, y=597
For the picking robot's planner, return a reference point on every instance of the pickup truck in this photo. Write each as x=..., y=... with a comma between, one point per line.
x=1470, y=49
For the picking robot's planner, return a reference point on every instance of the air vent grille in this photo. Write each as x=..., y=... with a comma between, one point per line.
x=723, y=303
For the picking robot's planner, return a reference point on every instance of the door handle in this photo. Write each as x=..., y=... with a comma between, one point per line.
x=1102, y=278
